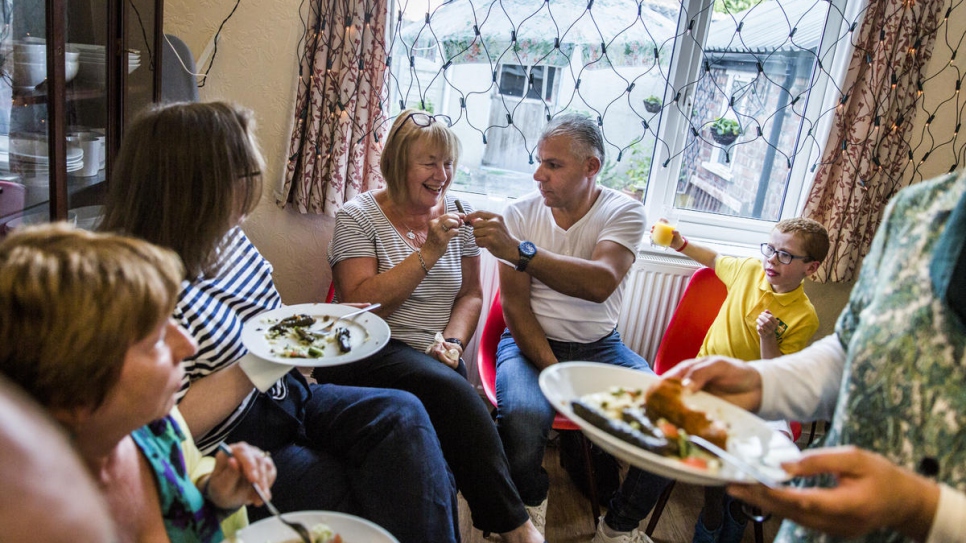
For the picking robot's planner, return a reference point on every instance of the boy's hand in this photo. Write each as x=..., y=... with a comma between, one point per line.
x=767, y=324
x=677, y=240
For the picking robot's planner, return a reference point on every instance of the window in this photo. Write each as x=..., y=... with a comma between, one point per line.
x=717, y=110
x=535, y=82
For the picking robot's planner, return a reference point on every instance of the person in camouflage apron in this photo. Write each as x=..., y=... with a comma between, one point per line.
x=895, y=372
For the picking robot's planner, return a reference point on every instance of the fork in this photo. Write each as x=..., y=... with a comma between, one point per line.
x=298, y=527
x=328, y=326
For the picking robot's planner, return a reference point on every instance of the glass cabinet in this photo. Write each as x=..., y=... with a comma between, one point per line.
x=72, y=74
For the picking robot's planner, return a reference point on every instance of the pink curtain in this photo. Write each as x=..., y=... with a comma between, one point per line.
x=867, y=156
x=335, y=145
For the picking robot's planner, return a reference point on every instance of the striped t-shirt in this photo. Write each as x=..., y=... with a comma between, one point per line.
x=362, y=230
x=213, y=312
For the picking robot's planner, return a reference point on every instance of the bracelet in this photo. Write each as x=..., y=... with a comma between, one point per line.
x=422, y=263
x=455, y=340
x=681, y=248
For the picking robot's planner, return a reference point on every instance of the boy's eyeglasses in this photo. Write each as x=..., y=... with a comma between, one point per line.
x=425, y=119
x=783, y=256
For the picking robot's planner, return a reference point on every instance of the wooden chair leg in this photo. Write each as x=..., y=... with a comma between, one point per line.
x=591, y=478
x=659, y=508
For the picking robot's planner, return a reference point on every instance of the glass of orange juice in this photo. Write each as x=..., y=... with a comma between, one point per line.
x=662, y=233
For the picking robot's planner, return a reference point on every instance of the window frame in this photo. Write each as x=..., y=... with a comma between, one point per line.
x=741, y=235
x=673, y=127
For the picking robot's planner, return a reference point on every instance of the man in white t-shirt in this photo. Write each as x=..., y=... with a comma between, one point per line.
x=566, y=251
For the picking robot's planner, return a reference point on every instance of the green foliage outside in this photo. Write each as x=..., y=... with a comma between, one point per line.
x=632, y=171
x=724, y=127
x=734, y=6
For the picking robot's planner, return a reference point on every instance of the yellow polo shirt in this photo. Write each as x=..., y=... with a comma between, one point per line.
x=734, y=332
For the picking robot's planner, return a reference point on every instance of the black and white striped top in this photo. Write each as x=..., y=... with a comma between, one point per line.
x=362, y=230
x=213, y=312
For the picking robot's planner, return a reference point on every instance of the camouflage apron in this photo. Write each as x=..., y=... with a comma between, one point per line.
x=903, y=390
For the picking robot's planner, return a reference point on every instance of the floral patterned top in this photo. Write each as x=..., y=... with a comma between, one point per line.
x=188, y=518
x=903, y=391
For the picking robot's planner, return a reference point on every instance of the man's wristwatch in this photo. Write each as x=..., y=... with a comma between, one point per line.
x=527, y=251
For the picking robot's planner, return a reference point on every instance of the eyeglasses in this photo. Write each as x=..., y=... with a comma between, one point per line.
x=783, y=256
x=425, y=119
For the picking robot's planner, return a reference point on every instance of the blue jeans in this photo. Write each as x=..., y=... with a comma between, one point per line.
x=462, y=421
x=364, y=451
x=525, y=417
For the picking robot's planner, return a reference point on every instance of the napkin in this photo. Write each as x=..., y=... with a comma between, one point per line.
x=451, y=354
x=262, y=373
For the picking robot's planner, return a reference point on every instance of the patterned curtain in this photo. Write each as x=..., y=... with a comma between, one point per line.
x=335, y=145
x=868, y=153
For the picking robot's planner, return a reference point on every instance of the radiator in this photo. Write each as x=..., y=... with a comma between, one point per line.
x=654, y=287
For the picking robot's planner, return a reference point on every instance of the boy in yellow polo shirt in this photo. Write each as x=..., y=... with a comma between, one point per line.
x=765, y=315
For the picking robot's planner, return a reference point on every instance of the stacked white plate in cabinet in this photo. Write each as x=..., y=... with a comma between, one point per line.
x=93, y=62
x=28, y=157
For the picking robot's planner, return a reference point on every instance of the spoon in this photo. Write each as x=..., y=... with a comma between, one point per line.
x=328, y=326
x=298, y=527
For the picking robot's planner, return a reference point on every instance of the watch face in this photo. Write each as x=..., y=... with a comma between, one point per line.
x=527, y=248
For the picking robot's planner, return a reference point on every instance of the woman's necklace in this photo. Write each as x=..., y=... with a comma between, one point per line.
x=417, y=239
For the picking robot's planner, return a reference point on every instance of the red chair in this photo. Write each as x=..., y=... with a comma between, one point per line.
x=486, y=364
x=682, y=340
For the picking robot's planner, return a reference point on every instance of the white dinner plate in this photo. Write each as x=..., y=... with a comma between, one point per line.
x=749, y=437
x=368, y=334
x=352, y=529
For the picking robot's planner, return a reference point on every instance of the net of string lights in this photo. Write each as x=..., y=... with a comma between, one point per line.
x=728, y=101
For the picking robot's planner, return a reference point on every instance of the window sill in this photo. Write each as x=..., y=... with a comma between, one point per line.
x=722, y=171
x=741, y=250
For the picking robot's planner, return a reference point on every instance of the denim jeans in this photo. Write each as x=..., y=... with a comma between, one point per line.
x=462, y=421
x=364, y=451
x=525, y=417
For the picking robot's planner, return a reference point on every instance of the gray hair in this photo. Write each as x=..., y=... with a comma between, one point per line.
x=586, y=139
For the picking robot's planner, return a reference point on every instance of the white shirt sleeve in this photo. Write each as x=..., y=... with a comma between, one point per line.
x=949, y=524
x=804, y=385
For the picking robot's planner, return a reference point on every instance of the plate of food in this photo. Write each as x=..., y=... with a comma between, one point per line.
x=325, y=526
x=614, y=409
x=312, y=335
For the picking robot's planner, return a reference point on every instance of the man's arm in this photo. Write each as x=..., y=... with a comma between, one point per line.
x=593, y=280
x=530, y=337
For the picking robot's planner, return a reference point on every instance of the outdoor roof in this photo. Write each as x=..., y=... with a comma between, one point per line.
x=766, y=27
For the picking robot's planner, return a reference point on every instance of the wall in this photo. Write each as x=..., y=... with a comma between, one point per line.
x=256, y=66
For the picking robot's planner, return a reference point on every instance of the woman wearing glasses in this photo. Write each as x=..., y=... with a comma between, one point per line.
x=406, y=247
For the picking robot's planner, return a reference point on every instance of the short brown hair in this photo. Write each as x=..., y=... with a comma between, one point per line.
x=813, y=235
x=394, y=162
x=183, y=177
x=71, y=304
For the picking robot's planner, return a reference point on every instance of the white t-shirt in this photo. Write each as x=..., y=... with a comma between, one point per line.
x=613, y=217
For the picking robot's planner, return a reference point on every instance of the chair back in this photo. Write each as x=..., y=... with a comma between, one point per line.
x=486, y=358
x=489, y=341
x=691, y=320
x=178, y=82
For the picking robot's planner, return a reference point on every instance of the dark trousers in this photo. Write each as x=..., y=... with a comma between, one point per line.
x=466, y=432
x=364, y=451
